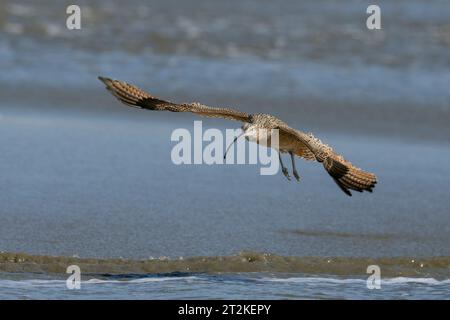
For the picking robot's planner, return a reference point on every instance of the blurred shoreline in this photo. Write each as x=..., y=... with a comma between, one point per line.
x=312, y=64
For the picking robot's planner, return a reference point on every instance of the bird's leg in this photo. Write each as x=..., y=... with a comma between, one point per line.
x=283, y=168
x=294, y=169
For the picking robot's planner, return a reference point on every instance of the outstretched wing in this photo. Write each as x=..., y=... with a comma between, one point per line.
x=135, y=97
x=344, y=173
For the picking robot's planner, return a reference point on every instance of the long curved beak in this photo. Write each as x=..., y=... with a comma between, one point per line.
x=234, y=141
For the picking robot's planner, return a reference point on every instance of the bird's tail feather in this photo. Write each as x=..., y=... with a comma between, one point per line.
x=349, y=177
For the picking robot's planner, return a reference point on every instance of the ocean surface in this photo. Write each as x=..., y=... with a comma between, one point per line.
x=235, y=286
x=85, y=181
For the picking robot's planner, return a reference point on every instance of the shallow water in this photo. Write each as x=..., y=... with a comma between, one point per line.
x=108, y=188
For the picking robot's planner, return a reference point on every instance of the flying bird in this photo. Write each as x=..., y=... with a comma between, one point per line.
x=292, y=141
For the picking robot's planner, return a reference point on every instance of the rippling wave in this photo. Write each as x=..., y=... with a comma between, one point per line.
x=219, y=286
x=289, y=30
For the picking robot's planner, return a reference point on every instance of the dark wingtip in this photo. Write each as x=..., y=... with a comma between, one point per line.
x=347, y=192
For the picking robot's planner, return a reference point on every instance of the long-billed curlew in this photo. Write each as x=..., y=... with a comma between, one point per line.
x=294, y=142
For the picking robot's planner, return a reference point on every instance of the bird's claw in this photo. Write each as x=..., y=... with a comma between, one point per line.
x=297, y=177
x=286, y=174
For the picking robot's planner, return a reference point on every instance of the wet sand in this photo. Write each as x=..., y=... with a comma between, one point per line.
x=243, y=262
x=413, y=122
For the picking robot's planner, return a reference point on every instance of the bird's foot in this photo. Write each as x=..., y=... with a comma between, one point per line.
x=286, y=174
x=297, y=177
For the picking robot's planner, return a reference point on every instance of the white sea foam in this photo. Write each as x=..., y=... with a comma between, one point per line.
x=20, y=10
x=139, y=280
x=303, y=280
x=39, y=283
x=13, y=28
x=402, y=280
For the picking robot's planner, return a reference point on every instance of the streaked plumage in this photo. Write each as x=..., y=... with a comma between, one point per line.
x=295, y=142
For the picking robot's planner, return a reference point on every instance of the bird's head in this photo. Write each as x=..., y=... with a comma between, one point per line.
x=246, y=126
x=249, y=128
x=251, y=131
